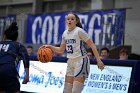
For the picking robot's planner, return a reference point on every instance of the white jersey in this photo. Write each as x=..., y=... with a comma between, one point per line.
x=74, y=42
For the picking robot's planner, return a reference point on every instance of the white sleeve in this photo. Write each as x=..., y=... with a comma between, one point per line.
x=83, y=35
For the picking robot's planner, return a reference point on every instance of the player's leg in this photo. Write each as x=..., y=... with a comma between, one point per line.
x=68, y=84
x=69, y=77
x=78, y=84
x=13, y=84
x=3, y=77
x=9, y=81
x=2, y=85
x=81, y=73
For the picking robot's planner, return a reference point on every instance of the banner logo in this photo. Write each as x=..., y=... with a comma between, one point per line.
x=105, y=27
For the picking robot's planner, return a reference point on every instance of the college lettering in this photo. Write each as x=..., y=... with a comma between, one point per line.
x=70, y=41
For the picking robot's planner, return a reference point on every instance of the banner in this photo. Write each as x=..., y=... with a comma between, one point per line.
x=44, y=77
x=50, y=77
x=5, y=22
x=104, y=26
x=113, y=79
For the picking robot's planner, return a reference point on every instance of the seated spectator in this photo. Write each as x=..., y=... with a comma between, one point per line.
x=31, y=53
x=123, y=54
x=90, y=53
x=104, y=53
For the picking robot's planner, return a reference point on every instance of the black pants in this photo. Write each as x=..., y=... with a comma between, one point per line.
x=9, y=81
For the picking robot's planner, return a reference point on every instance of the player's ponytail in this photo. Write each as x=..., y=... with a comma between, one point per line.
x=11, y=32
x=78, y=21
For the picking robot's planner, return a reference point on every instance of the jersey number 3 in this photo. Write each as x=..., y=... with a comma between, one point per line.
x=69, y=49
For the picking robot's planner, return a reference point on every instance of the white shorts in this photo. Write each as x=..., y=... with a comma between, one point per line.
x=78, y=67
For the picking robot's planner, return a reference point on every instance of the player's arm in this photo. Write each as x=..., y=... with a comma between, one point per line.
x=85, y=37
x=60, y=49
x=57, y=49
x=25, y=58
x=90, y=43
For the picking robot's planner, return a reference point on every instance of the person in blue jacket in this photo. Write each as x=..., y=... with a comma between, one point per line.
x=10, y=53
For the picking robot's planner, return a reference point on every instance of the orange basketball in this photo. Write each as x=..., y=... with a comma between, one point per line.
x=44, y=54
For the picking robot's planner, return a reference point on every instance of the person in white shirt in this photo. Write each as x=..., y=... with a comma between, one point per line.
x=78, y=64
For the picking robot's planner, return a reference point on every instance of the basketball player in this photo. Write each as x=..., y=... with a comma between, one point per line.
x=78, y=62
x=10, y=51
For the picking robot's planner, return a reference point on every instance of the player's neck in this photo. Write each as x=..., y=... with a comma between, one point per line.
x=71, y=29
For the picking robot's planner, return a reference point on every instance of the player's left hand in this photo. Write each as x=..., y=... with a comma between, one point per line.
x=26, y=79
x=100, y=65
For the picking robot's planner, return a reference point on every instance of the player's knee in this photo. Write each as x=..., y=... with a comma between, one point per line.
x=67, y=88
x=77, y=87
